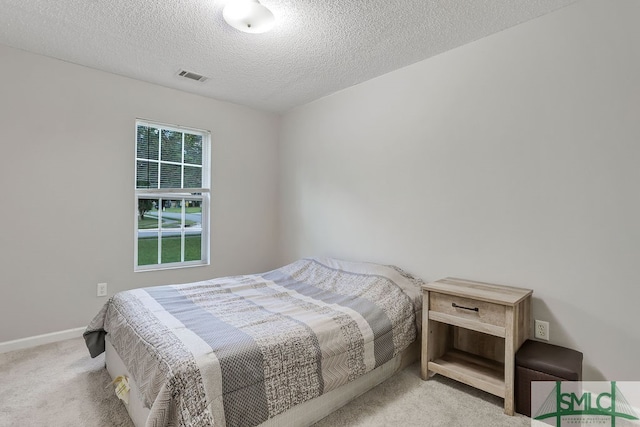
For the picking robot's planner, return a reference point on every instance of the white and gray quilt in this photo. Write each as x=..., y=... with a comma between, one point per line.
x=236, y=351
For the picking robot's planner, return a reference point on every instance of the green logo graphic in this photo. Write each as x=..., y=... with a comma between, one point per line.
x=607, y=404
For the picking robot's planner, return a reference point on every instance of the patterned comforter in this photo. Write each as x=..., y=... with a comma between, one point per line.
x=236, y=351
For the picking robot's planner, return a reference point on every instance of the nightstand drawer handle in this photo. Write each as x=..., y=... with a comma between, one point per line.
x=454, y=305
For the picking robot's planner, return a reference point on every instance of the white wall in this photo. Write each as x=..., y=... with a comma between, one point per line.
x=67, y=137
x=514, y=159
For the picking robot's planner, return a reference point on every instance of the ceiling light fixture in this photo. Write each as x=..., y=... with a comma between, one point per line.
x=248, y=16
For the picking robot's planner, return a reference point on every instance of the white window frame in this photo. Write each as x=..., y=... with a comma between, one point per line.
x=202, y=194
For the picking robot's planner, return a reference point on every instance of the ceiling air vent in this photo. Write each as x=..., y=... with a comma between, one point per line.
x=191, y=75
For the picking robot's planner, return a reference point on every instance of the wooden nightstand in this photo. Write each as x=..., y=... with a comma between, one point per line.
x=471, y=332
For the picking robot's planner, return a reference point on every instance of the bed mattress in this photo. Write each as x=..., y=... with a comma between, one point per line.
x=242, y=350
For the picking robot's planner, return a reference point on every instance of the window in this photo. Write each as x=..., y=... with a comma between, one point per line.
x=172, y=193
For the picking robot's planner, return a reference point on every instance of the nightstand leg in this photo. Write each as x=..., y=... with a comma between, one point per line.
x=424, y=355
x=510, y=326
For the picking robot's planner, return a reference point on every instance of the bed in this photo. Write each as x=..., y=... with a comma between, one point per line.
x=286, y=347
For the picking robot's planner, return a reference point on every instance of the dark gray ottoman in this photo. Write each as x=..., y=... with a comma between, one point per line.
x=538, y=361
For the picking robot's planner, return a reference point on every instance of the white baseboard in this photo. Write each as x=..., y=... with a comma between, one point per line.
x=40, y=339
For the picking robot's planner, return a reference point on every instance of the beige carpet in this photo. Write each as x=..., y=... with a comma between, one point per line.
x=60, y=385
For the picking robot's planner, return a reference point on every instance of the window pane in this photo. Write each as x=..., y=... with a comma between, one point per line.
x=171, y=214
x=171, y=146
x=147, y=231
x=170, y=176
x=146, y=174
x=147, y=145
x=192, y=177
x=147, y=250
x=171, y=247
x=171, y=231
x=193, y=214
x=147, y=214
x=193, y=149
x=193, y=232
x=193, y=246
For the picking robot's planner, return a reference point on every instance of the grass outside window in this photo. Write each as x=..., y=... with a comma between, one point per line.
x=148, y=249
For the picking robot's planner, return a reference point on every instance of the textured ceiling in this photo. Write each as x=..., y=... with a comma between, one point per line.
x=317, y=47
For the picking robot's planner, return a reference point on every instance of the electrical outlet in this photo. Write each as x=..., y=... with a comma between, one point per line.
x=542, y=330
x=102, y=290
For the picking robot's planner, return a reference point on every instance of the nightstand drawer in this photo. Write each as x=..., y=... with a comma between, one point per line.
x=468, y=309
